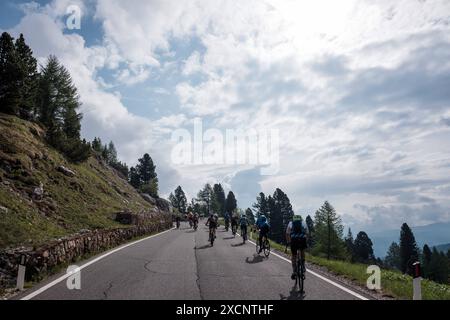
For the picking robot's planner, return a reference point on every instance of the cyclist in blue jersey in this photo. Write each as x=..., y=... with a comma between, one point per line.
x=296, y=235
x=264, y=228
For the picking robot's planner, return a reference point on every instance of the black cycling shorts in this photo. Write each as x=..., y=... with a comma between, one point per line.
x=298, y=244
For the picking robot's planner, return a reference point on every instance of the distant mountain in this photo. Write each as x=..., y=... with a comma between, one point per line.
x=434, y=234
x=443, y=247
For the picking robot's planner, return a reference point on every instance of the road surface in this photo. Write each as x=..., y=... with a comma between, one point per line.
x=180, y=264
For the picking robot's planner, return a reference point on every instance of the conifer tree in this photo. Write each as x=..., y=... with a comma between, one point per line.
x=9, y=76
x=28, y=79
x=230, y=203
x=409, y=252
x=392, y=259
x=329, y=232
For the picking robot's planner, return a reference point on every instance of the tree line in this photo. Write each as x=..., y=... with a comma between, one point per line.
x=210, y=199
x=435, y=264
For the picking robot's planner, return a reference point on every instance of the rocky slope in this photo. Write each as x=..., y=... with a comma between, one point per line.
x=44, y=197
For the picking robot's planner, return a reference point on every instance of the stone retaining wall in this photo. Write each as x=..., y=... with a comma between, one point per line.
x=65, y=251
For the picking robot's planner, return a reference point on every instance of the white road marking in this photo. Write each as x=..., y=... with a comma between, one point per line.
x=62, y=278
x=320, y=276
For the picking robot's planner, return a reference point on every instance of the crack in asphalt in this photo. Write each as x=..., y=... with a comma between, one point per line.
x=105, y=293
x=197, y=274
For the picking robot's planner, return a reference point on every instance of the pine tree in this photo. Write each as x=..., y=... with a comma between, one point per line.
x=179, y=201
x=218, y=200
x=438, y=269
x=426, y=259
x=363, y=248
x=230, y=203
x=147, y=175
x=28, y=79
x=349, y=244
x=329, y=232
x=409, y=252
x=205, y=197
x=134, y=178
x=282, y=215
x=112, y=154
x=197, y=208
x=275, y=219
x=146, y=169
x=392, y=259
x=250, y=217
x=57, y=106
x=97, y=145
x=10, y=75
x=261, y=206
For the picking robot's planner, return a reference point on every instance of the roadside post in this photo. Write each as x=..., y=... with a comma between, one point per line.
x=21, y=274
x=417, y=279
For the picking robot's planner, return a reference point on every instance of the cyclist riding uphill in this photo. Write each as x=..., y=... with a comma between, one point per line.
x=234, y=222
x=243, y=222
x=264, y=228
x=212, y=223
x=296, y=233
x=227, y=220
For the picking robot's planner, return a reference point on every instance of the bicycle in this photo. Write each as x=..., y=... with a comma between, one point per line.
x=234, y=230
x=300, y=273
x=195, y=225
x=244, y=234
x=265, y=246
x=178, y=224
x=212, y=236
x=227, y=225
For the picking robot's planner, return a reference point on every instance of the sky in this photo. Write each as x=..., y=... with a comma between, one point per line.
x=358, y=91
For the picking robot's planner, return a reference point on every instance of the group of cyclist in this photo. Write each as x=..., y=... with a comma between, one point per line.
x=192, y=218
x=296, y=232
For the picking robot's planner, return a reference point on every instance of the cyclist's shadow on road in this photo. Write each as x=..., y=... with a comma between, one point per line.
x=206, y=246
x=237, y=244
x=228, y=238
x=293, y=295
x=256, y=259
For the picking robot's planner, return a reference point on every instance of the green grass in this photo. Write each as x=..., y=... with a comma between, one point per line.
x=393, y=283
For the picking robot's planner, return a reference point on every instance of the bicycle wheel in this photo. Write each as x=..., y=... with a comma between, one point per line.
x=266, y=248
x=300, y=275
x=211, y=238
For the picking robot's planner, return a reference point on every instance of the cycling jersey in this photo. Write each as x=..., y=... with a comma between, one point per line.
x=297, y=229
x=212, y=222
x=243, y=222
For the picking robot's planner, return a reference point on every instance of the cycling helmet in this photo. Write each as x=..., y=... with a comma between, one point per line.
x=263, y=218
x=297, y=218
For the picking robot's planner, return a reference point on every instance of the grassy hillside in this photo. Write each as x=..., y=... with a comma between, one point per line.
x=86, y=201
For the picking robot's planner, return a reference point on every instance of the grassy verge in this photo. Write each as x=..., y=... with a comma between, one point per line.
x=393, y=283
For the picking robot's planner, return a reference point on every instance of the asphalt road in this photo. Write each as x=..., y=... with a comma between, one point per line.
x=180, y=264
